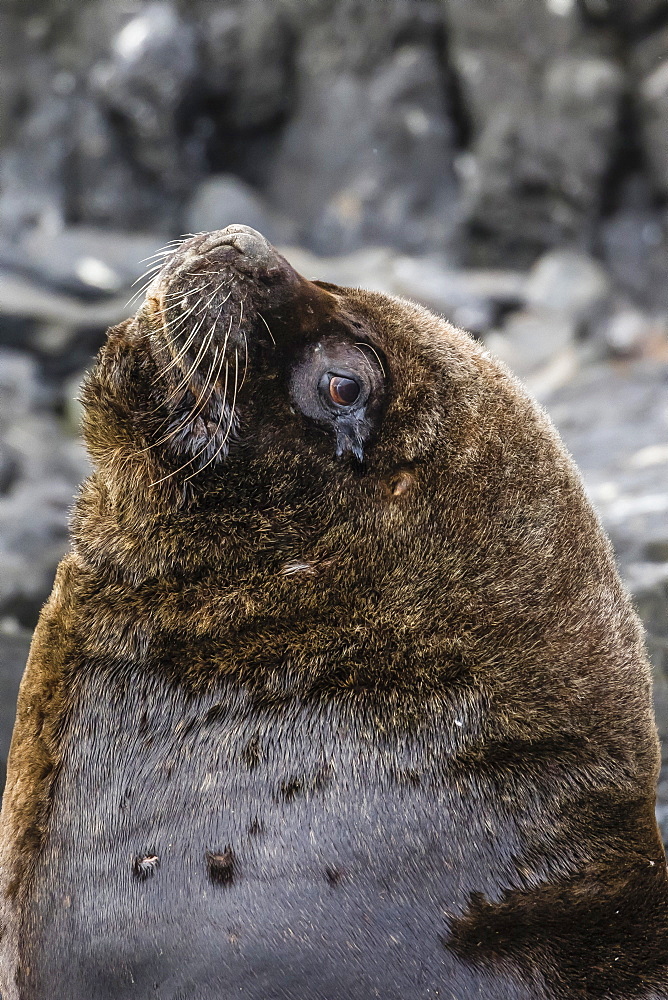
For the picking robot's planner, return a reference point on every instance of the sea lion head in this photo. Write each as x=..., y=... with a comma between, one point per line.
x=301, y=452
x=235, y=361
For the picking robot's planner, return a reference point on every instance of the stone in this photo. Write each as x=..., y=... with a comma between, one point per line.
x=14, y=647
x=472, y=299
x=22, y=297
x=634, y=16
x=32, y=169
x=615, y=422
x=569, y=283
x=34, y=506
x=627, y=330
x=530, y=338
x=111, y=188
x=651, y=72
x=245, y=60
x=369, y=159
x=634, y=243
x=542, y=94
x=223, y=199
x=368, y=268
x=89, y=261
x=145, y=80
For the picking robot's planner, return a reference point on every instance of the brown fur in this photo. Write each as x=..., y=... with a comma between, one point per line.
x=458, y=574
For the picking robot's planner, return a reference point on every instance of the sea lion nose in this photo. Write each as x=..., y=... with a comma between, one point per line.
x=245, y=240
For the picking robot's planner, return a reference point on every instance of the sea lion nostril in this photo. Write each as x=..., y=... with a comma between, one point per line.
x=245, y=240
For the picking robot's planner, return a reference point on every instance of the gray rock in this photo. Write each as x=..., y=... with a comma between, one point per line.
x=23, y=297
x=635, y=15
x=568, y=283
x=369, y=160
x=105, y=184
x=628, y=331
x=368, y=268
x=530, y=339
x=32, y=169
x=14, y=646
x=34, y=506
x=651, y=62
x=468, y=298
x=145, y=79
x=245, y=49
x=84, y=260
x=634, y=243
x=542, y=94
x=224, y=199
x=471, y=299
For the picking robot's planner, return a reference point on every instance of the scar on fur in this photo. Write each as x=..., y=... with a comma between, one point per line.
x=145, y=866
x=221, y=866
x=399, y=482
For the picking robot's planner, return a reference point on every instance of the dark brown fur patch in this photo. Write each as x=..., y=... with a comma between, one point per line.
x=452, y=698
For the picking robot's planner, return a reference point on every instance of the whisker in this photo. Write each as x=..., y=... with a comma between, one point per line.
x=268, y=330
x=162, y=251
x=371, y=348
x=175, y=295
x=186, y=379
x=229, y=425
x=190, y=417
x=175, y=360
x=149, y=270
x=190, y=460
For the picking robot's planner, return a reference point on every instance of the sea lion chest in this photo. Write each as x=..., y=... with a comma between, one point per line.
x=204, y=846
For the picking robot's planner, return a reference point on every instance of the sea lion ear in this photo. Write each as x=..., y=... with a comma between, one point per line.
x=349, y=440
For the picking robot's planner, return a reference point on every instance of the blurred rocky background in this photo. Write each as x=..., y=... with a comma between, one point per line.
x=503, y=161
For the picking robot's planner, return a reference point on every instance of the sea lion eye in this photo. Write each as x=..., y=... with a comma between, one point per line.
x=344, y=391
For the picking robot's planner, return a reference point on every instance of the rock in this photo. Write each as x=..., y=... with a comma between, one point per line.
x=14, y=647
x=539, y=149
x=627, y=330
x=32, y=169
x=472, y=299
x=635, y=245
x=85, y=261
x=369, y=268
x=12, y=61
x=634, y=16
x=355, y=36
x=651, y=64
x=110, y=188
x=21, y=297
x=615, y=422
x=369, y=160
x=568, y=283
x=224, y=199
x=245, y=48
x=34, y=506
x=530, y=338
x=146, y=80
x=21, y=391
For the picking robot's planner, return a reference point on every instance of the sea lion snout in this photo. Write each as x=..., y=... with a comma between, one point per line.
x=236, y=245
x=248, y=242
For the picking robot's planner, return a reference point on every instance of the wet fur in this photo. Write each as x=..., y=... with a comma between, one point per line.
x=424, y=759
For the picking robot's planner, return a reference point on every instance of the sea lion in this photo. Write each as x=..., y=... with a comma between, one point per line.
x=338, y=694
